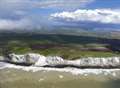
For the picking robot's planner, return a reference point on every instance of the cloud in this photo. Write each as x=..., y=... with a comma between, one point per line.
x=97, y=15
x=21, y=4
x=16, y=14
x=15, y=24
x=64, y=3
x=12, y=6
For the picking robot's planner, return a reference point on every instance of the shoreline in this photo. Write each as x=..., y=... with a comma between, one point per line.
x=73, y=71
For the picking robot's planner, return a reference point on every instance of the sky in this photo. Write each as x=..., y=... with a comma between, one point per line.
x=41, y=14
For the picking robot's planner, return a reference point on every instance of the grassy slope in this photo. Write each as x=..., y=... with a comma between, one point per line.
x=67, y=46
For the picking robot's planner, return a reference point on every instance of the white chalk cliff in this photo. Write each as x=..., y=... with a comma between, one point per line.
x=40, y=60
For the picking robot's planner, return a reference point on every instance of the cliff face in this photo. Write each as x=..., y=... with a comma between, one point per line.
x=40, y=60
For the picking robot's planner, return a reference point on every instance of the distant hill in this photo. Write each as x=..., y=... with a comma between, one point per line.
x=66, y=31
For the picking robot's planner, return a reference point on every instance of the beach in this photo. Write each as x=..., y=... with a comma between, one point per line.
x=14, y=76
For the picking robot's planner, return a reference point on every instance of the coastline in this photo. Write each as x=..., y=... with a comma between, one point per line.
x=71, y=70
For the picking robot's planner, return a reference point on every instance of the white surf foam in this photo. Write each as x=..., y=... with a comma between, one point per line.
x=74, y=71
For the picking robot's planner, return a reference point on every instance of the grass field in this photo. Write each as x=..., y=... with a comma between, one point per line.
x=66, y=46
